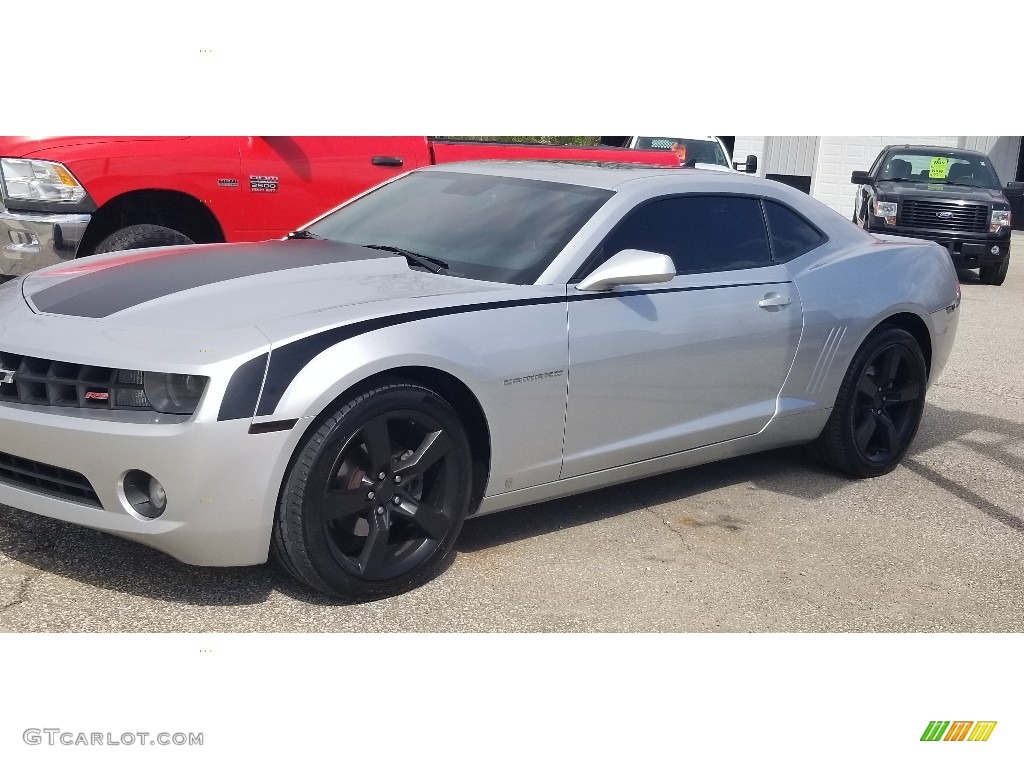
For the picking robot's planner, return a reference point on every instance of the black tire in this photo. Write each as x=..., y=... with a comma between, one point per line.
x=349, y=532
x=141, y=236
x=878, y=408
x=996, y=274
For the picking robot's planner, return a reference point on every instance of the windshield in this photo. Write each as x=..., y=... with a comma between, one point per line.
x=939, y=167
x=483, y=227
x=695, y=150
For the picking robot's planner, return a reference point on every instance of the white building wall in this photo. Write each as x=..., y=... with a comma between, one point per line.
x=790, y=155
x=1003, y=151
x=840, y=156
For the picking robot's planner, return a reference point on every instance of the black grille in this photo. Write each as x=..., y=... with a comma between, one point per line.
x=37, y=381
x=943, y=216
x=44, y=478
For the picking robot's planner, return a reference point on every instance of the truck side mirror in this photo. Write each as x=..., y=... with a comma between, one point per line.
x=749, y=166
x=860, y=177
x=1015, y=188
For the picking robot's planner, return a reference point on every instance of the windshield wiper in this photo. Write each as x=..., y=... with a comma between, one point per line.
x=427, y=262
x=303, y=234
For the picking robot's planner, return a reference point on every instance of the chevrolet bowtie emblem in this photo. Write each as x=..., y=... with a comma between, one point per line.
x=6, y=377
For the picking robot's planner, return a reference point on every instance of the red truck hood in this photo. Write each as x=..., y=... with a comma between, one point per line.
x=28, y=146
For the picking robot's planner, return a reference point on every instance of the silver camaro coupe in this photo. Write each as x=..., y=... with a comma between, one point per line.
x=460, y=340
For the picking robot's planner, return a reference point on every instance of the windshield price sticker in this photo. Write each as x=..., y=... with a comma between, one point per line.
x=939, y=168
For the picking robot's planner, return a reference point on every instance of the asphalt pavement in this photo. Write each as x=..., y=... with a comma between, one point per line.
x=761, y=543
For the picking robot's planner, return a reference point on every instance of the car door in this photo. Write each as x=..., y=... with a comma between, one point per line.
x=655, y=370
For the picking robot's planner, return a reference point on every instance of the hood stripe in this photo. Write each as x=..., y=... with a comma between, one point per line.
x=109, y=289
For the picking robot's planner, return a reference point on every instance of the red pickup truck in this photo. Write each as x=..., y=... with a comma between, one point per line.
x=68, y=196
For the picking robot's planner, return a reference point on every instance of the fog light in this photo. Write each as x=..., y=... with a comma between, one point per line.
x=21, y=237
x=890, y=220
x=145, y=493
x=995, y=250
x=157, y=494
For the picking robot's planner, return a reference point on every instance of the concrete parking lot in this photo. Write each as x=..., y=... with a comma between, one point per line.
x=756, y=544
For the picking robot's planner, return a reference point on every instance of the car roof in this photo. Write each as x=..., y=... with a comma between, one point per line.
x=687, y=136
x=587, y=173
x=931, y=148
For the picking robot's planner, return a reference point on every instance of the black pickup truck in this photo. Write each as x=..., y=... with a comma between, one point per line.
x=951, y=196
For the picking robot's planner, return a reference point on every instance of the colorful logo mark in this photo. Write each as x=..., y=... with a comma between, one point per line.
x=958, y=730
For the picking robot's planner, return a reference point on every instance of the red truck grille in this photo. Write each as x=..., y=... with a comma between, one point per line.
x=943, y=216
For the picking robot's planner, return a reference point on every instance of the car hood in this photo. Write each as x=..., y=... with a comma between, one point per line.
x=941, y=191
x=191, y=308
x=220, y=287
x=28, y=146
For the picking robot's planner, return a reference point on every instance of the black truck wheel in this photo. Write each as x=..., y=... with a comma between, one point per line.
x=376, y=496
x=996, y=274
x=142, y=236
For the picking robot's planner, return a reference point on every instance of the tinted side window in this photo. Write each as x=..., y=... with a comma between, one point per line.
x=792, y=235
x=701, y=234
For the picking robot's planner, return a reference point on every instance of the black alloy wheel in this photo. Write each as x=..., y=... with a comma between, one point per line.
x=878, y=408
x=377, y=495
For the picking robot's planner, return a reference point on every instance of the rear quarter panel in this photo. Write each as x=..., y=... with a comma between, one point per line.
x=848, y=291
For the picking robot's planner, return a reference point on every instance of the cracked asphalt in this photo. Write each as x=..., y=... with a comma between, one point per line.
x=765, y=543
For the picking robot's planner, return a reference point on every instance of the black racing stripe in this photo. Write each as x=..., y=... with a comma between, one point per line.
x=652, y=291
x=146, y=277
x=287, y=360
x=243, y=390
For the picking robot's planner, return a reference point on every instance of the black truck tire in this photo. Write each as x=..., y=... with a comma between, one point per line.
x=996, y=274
x=142, y=236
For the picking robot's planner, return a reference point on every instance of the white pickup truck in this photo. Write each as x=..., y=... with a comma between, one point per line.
x=695, y=151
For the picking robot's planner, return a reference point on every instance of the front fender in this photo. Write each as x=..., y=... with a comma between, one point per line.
x=513, y=359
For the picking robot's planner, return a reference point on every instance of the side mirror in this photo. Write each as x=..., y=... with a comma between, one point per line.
x=749, y=166
x=629, y=267
x=1015, y=188
x=860, y=177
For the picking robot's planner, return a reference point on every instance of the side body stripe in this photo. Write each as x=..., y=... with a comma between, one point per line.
x=289, y=359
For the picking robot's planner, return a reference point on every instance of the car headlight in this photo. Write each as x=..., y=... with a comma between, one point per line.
x=39, y=181
x=886, y=210
x=174, y=392
x=999, y=219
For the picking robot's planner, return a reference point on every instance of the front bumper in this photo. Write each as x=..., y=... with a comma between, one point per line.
x=968, y=251
x=30, y=241
x=221, y=481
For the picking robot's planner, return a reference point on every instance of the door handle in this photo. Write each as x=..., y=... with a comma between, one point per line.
x=385, y=160
x=774, y=301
